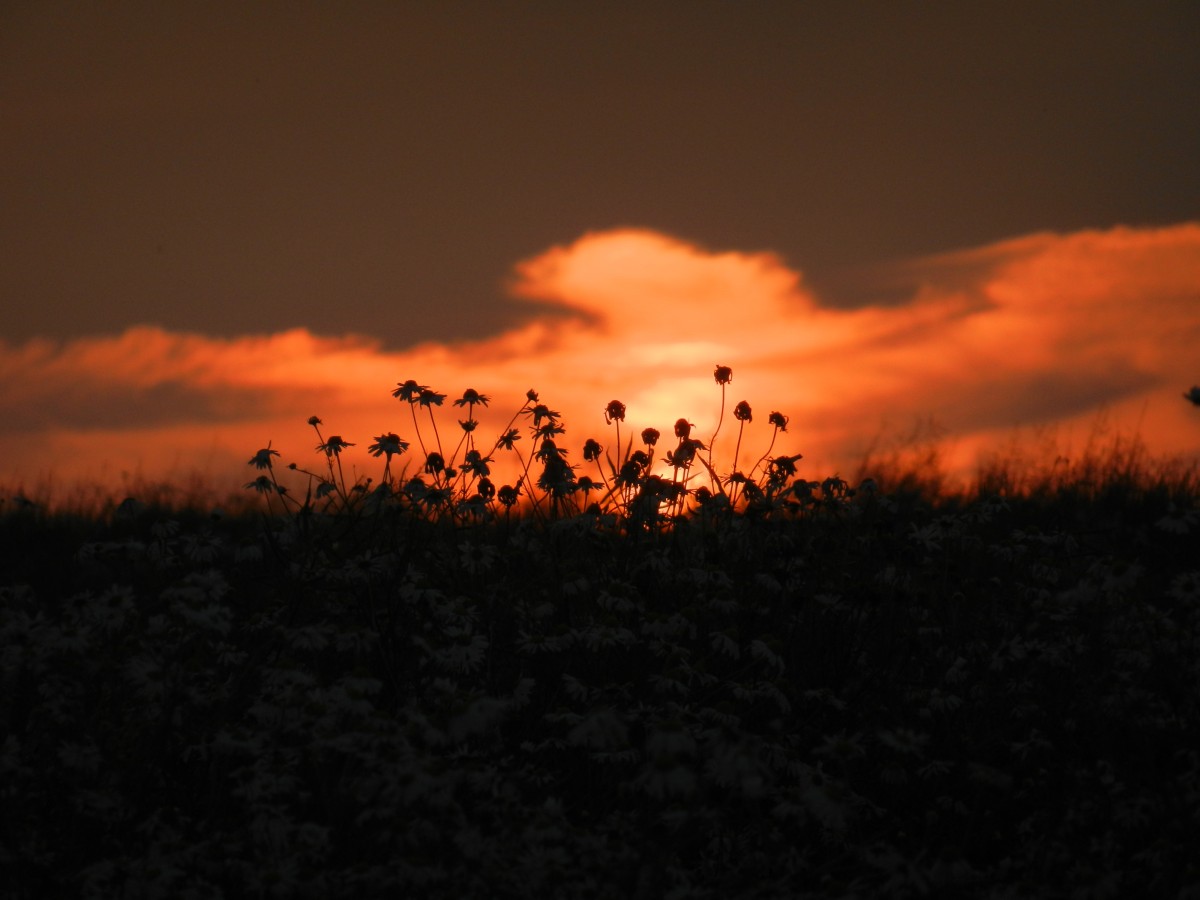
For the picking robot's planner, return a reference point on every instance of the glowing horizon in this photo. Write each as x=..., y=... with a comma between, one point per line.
x=1041, y=331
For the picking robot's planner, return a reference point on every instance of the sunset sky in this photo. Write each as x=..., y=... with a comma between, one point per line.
x=222, y=218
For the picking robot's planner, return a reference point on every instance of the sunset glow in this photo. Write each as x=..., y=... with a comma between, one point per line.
x=1041, y=331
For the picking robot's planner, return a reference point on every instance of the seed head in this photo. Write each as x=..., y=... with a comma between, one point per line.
x=614, y=412
x=650, y=436
x=723, y=374
x=683, y=429
x=591, y=450
x=314, y=421
x=741, y=412
x=779, y=420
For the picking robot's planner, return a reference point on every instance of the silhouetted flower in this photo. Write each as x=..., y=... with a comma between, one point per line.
x=416, y=489
x=434, y=463
x=508, y=494
x=541, y=411
x=486, y=489
x=1193, y=395
x=325, y=488
x=263, y=484
x=389, y=443
x=741, y=412
x=262, y=459
x=683, y=428
x=630, y=474
x=784, y=467
x=509, y=438
x=779, y=420
x=408, y=391
x=333, y=446
x=469, y=425
x=549, y=450
x=531, y=395
x=430, y=397
x=683, y=455
x=477, y=464
x=614, y=412
x=550, y=429
x=650, y=436
x=723, y=374
x=314, y=421
x=591, y=450
x=471, y=397
x=557, y=478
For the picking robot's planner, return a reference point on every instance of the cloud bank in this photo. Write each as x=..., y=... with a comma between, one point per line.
x=1040, y=330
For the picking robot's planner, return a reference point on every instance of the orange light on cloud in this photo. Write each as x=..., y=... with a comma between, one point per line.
x=1038, y=330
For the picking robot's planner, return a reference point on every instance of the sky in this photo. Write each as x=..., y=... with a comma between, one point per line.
x=971, y=220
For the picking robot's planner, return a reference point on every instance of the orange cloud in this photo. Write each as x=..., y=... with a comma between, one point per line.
x=1041, y=329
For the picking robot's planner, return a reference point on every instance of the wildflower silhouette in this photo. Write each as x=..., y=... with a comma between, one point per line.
x=1193, y=396
x=722, y=375
x=388, y=445
x=262, y=459
x=471, y=398
x=626, y=491
x=334, y=446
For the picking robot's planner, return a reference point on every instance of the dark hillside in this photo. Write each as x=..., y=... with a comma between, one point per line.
x=884, y=694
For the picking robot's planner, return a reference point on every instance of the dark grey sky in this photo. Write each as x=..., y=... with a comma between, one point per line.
x=234, y=168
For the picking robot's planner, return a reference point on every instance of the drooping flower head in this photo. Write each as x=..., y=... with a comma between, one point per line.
x=408, y=391
x=723, y=374
x=485, y=488
x=334, y=445
x=742, y=413
x=262, y=459
x=683, y=428
x=779, y=420
x=263, y=484
x=434, y=463
x=542, y=411
x=477, y=464
x=614, y=412
x=429, y=397
x=591, y=450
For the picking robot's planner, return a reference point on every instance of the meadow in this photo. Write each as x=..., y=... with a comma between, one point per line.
x=630, y=670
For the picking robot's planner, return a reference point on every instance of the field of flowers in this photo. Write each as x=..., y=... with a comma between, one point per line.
x=658, y=682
